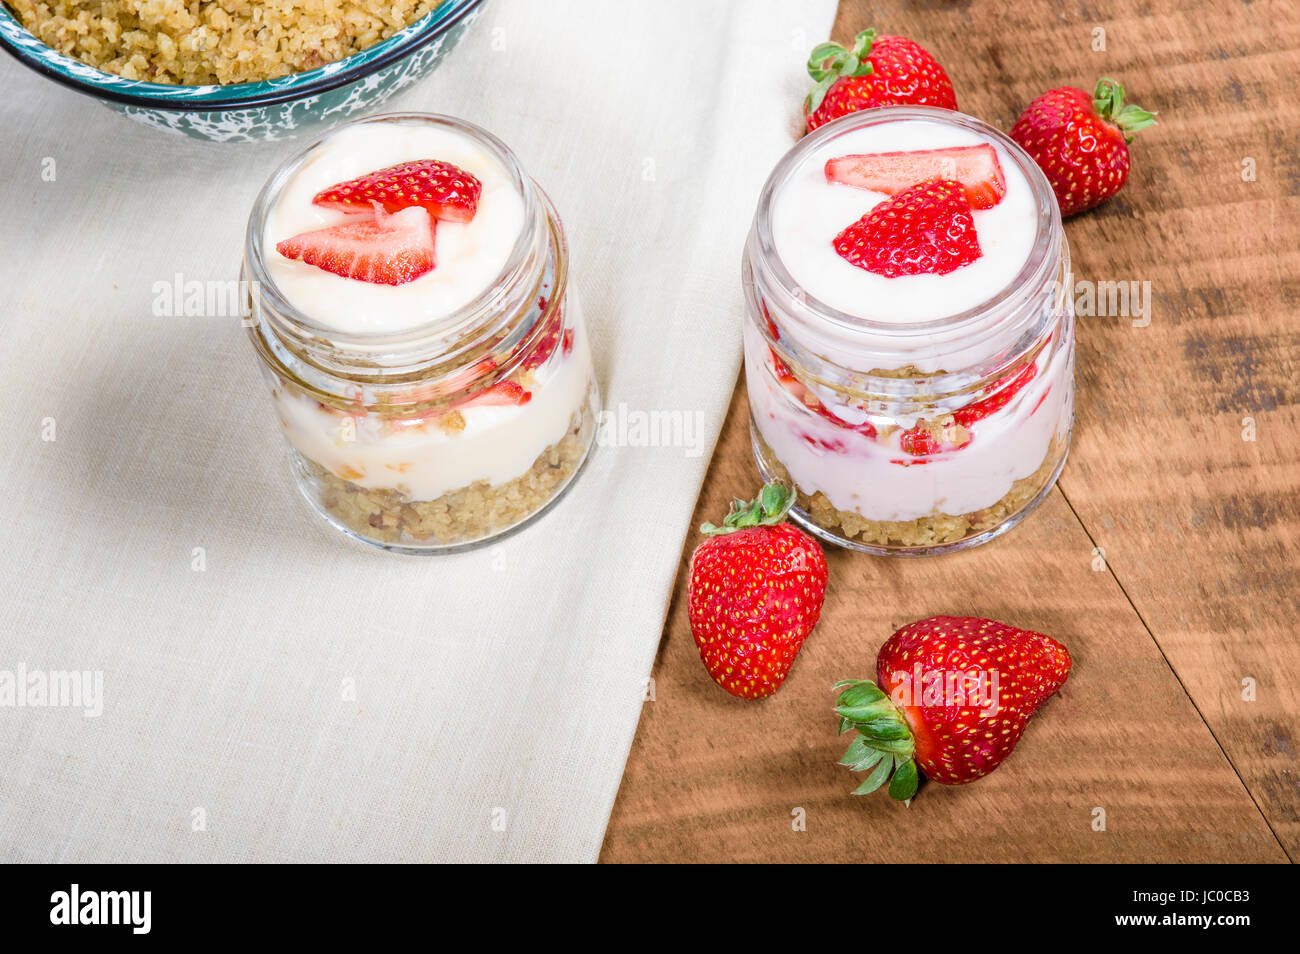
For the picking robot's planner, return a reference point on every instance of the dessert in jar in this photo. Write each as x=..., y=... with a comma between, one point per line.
x=909, y=338
x=427, y=359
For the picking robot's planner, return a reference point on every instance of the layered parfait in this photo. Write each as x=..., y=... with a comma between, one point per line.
x=429, y=367
x=909, y=353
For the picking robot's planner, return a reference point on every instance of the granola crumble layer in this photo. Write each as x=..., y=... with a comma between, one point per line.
x=460, y=516
x=221, y=42
x=933, y=530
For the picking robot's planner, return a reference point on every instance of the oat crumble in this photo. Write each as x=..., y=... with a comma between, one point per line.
x=214, y=41
x=933, y=530
x=462, y=515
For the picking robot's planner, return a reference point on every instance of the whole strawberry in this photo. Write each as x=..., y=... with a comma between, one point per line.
x=755, y=592
x=952, y=696
x=1081, y=142
x=876, y=71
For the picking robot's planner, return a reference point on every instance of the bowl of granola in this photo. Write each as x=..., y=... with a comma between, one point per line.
x=234, y=70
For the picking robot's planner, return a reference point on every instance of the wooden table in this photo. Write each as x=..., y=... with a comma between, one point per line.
x=1196, y=597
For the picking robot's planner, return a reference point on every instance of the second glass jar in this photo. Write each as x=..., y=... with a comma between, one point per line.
x=911, y=438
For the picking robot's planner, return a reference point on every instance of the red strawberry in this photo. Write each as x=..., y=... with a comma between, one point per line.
x=975, y=167
x=919, y=442
x=804, y=396
x=922, y=441
x=446, y=191
x=952, y=695
x=1081, y=142
x=501, y=394
x=553, y=335
x=971, y=413
x=386, y=250
x=754, y=594
x=877, y=71
x=925, y=229
x=821, y=444
x=928, y=438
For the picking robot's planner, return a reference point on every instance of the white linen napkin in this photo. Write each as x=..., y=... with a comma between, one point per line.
x=272, y=691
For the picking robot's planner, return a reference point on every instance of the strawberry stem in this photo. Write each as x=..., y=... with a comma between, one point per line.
x=1108, y=98
x=883, y=746
x=828, y=62
x=766, y=510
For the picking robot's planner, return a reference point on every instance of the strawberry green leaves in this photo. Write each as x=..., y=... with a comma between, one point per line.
x=876, y=70
x=883, y=746
x=877, y=776
x=903, y=785
x=766, y=510
x=1108, y=98
x=830, y=61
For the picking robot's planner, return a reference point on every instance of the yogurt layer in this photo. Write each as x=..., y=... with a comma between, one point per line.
x=875, y=478
x=425, y=461
x=470, y=256
x=808, y=212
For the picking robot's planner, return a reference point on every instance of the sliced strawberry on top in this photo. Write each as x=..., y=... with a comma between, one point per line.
x=386, y=250
x=975, y=167
x=445, y=191
x=925, y=229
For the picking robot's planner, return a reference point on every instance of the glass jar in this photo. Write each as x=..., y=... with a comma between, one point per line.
x=920, y=436
x=449, y=433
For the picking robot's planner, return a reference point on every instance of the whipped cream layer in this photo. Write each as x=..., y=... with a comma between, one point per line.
x=808, y=212
x=470, y=256
x=873, y=477
x=425, y=460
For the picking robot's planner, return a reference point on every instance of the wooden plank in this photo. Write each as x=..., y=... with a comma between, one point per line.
x=714, y=778
x=1198, y=525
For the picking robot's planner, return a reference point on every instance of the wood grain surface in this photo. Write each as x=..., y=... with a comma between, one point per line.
x=1180, y=720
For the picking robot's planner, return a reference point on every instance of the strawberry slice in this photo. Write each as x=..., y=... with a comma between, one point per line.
x=553, y=335
x=919, y=442
x=386, y=250
x=501, y=394
x=971, y=413
x=804, y=396
x=975, y=167
x=925, y=439
x=925, y=229
x=445, y=191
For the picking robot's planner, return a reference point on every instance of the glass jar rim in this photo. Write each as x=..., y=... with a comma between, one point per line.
x=470, y=315
x=1039, y=263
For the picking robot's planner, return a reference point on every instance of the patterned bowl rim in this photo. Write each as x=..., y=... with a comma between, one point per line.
x=30, y=51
